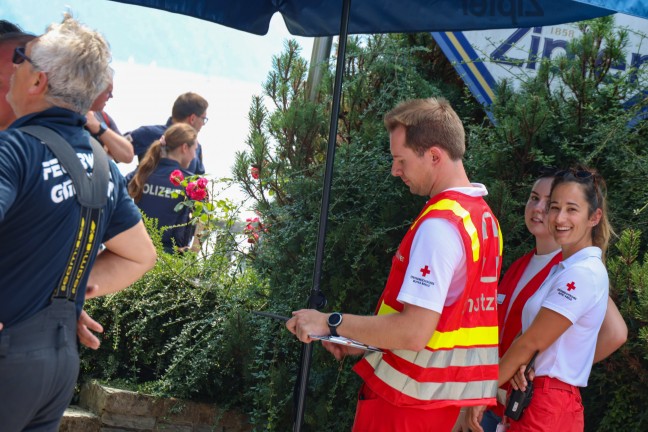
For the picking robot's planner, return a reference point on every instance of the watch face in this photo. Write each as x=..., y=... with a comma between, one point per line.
x=335, y=319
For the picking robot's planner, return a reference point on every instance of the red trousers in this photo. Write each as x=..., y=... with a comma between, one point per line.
x=556, y=406
x=374, y=414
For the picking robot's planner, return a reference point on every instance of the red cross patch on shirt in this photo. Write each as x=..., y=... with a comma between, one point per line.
x=571, y=286
x=425, y=271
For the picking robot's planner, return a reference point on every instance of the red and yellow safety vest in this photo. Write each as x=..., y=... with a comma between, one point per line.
x=459, y=366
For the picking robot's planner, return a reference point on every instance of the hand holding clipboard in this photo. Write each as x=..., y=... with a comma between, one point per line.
x=333, y=339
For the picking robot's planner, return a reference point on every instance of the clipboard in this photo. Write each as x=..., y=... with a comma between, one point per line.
x=341, y=340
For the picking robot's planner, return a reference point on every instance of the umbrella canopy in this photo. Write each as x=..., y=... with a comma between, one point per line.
x=638, y=8
x=323, y=17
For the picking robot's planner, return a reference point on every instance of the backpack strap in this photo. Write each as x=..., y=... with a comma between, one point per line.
x=92, y=191
x=92, y=195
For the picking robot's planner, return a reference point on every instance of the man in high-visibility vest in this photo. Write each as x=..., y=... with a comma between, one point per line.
x=436, y=321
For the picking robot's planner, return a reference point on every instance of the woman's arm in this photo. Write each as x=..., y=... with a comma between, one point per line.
x=546, y=328
x=613, y=333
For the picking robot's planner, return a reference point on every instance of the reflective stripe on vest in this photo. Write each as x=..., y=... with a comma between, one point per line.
x=445, y=359
x=465, y=336
x=431, y=391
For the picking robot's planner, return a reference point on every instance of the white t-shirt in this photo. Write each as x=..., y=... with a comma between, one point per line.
x=536, y=264
x=436, y=273
x=577, y=289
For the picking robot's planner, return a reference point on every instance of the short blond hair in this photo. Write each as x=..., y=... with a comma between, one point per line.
x=429, y=123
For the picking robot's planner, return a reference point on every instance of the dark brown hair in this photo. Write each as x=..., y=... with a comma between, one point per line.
x=595, y=191
x=187, y=104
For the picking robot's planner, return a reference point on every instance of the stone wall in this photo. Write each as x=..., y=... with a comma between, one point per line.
x=105, y=409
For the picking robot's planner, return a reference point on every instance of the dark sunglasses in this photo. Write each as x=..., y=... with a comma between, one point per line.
x=19, y=56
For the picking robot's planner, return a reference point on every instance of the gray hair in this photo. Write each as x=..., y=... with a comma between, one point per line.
x=76, y=60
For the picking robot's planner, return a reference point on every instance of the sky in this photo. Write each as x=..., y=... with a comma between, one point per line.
x=158, y=55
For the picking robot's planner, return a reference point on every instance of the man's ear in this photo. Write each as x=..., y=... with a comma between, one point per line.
x=39, y=84
x=436, y=153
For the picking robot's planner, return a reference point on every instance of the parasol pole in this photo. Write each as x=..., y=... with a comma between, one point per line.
x=317, y=300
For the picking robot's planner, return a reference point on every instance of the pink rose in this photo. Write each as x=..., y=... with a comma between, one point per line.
x=254, y=172
x=198, y=194
x=176, y=178
x=202, y=182
x=190, y=189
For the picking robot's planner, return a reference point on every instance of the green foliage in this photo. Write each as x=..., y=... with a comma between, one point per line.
x=183, y=329
x=615, y=397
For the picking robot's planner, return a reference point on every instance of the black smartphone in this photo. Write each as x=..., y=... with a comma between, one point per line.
x=519, y=400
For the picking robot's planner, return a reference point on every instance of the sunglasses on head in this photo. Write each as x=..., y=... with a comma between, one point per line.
x=577, y=173
x=19, y=56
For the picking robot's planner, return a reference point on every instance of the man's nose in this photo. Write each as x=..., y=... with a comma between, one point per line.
x=394, y=170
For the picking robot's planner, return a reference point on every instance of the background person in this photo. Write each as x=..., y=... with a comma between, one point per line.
x=449, y=258
x=9, y=27
x=104, y=129
x=189, y=108
x=562, y=319
x=8, y=42
x=55, y=80
x=152, y=190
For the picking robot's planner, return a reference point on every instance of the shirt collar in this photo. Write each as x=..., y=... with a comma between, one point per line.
x=588, y=252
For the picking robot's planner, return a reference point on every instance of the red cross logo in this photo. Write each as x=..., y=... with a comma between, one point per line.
x=425, y=271
x=571, y=286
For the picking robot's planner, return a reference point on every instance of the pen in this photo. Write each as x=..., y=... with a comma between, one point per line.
x=271, y=315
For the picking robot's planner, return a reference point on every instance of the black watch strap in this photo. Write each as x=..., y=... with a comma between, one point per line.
x=334, y=320
x=101, y=131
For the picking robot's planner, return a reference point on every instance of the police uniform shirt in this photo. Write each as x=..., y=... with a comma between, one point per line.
x=158, y=202
x=142, y=138
x=39, y=214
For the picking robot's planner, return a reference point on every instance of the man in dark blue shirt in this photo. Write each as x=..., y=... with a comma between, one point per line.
x=189, y=108
x=55, y=80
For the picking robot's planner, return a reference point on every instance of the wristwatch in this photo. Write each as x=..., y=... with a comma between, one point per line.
x=334, y=320
x=102, y=129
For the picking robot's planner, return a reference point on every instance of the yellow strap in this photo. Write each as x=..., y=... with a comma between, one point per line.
x=463, y=214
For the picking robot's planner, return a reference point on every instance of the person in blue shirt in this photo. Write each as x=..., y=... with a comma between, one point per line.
x=189, y=108
x=55, y=80
x=152, y=189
